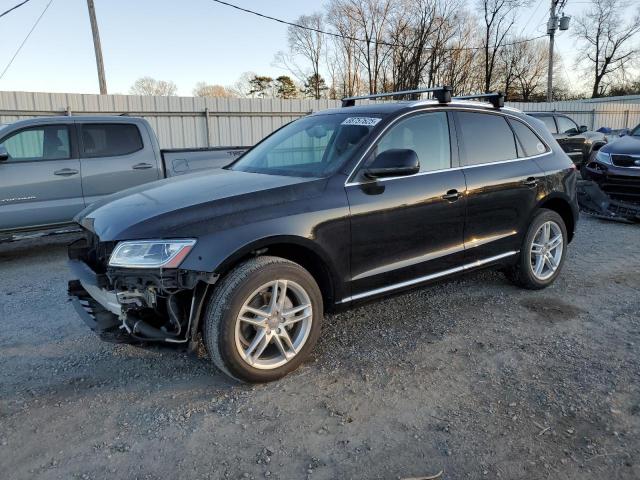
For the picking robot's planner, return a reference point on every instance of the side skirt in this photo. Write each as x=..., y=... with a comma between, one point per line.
x=426, y=278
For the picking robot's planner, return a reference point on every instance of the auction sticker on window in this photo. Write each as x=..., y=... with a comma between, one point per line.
x=363, y=121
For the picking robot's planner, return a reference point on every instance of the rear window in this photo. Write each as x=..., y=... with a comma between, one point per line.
x=528, y=141
x=486, y=138
x=109, y=139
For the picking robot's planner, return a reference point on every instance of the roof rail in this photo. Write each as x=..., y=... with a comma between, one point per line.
x=495, y=98
x=442, y=94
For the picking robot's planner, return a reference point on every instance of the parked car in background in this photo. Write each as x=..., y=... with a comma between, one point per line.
x=53, y=167
x=614, y=171
x=337, y=208
x=577, y=141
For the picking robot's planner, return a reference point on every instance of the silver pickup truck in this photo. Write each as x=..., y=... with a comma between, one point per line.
x=53, y=167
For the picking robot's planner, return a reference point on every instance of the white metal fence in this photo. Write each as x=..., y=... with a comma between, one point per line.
x=178, y=121
x=201, y=122
x=593, y=115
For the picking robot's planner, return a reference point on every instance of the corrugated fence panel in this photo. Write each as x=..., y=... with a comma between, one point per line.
x=593, y=115
x=178, y=121
x=201, y=122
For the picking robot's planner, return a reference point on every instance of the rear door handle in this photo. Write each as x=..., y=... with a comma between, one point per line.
x=66, y=172
x=530, y=182
x=451, y=195
x=142, y=166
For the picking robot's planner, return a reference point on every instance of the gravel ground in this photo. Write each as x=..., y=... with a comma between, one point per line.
x=473, y=377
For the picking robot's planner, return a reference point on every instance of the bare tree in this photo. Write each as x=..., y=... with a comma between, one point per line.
x=606, y=40
x=410, y=34
x=531, y=68
x=151, y=86
x=242, y=86
x=368, y=21
x=346, y=54
x=498, y=19
x=203, y=89
x=461, y=69
x=308, y=42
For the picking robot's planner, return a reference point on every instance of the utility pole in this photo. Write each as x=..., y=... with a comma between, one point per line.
x=98, y=48
x=551, y=31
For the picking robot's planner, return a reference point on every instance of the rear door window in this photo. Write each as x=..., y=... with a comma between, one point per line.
x=486, y=138
x=529, y=143
x=109, y=139
x=48, y=142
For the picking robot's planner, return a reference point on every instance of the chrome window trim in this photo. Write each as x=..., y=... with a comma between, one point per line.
x=425, y=278
x=349, y=183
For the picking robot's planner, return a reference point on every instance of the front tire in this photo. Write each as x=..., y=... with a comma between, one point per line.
x=263, y=319
x=542, y=253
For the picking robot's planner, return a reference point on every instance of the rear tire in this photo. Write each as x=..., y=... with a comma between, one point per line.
x=263, y=319
x=542, y=253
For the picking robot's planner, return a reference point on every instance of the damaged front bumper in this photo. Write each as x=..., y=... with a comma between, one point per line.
x=595, y=201
x=135, y=305
x=610, y=191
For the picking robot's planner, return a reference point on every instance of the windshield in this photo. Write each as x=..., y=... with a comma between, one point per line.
x=314, y=146
x=636, y=131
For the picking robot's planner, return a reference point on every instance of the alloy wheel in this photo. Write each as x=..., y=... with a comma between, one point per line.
x=546, y=250
x=273, y=324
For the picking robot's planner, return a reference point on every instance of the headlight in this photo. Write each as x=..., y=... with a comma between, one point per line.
x=603, y=157
x=151, y=253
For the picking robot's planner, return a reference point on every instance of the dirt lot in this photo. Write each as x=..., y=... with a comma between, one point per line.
x=473, y=377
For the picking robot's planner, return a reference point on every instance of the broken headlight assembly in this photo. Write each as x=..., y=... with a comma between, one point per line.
x=151, y=253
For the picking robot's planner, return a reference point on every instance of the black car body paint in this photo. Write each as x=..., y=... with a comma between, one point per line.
x=361, y=238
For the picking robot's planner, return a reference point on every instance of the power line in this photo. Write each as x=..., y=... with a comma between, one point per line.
x=355, y=39
x=25, y=39
x=13, y=8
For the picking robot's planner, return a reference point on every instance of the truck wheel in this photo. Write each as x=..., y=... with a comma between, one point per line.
x=542, y=253
x=263, y=319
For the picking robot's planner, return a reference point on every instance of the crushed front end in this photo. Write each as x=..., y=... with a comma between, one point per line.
x=137, y=303
x=611, y=187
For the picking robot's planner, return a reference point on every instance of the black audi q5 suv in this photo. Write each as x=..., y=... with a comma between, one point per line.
x=339, y=207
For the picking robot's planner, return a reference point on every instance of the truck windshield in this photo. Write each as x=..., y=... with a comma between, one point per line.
x=314, y=146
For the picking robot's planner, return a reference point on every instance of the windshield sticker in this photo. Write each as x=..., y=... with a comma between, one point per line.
x=363, y=121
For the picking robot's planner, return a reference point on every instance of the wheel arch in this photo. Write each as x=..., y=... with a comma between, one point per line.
x=562, y=207
x=300, y=250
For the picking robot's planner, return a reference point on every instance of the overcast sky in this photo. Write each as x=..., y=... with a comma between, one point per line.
x=185, y=41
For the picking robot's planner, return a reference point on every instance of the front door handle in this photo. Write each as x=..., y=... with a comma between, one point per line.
x=66, y=172
x=142, y=166
x=530, y=182
x=451, y=195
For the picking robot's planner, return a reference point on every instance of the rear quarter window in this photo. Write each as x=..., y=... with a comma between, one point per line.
x=109, y=139
x=486, y=138
x=529, y=143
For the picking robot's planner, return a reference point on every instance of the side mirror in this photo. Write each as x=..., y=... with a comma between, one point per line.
x=4, y=155
x=396, y=162
x=582, y=128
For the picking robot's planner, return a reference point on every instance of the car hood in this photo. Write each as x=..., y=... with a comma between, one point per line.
x=627, y=145
x=185, y=206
